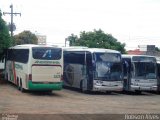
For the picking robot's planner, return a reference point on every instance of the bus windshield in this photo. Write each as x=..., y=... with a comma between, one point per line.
x=46, y=53
x=158, y=67
x=145, y=70
x=108, y=66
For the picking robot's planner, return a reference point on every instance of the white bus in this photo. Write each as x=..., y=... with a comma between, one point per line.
x=140, y=73
x=35, y=67
x=93, y=69
x=158, y=72
x=2, y=62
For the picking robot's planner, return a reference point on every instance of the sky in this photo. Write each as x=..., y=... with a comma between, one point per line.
x=133, y=22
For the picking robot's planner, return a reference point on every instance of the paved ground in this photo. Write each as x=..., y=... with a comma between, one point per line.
x=68, y=101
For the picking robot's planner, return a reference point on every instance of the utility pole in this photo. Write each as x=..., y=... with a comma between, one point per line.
x=11, y=13
x=66, y=39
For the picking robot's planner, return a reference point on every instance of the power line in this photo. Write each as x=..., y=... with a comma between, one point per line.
x=11, y=13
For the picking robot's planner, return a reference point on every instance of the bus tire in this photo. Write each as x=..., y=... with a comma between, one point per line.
x=138, y=92
x=18, y=85
x=108, y=92
x=82, y=88
x=49, y=91
x=6, y=77
x=21, y=87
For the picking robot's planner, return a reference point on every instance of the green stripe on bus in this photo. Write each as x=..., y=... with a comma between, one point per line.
x=44, y=86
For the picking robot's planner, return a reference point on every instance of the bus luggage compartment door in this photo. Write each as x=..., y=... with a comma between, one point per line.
x=46, y=73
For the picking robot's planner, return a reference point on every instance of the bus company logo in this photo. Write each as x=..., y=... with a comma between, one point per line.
x=9, y=117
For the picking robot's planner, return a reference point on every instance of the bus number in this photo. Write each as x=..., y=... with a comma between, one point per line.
x=57, y=76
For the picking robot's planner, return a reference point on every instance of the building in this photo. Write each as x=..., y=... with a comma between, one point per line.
x=135, y=52
x=145, y=50
x=42, y=39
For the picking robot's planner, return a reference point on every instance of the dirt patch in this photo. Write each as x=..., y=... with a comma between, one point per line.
x=68, y=101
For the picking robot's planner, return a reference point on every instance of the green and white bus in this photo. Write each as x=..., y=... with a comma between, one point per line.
x=93, y=69
x=35, y=67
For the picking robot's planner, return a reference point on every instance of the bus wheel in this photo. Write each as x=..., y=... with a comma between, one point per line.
x=6, y=77
x=82, y=88
x=108, y=92
x=138, y=92
x=21, y=88
x=49, y=91
x=18, y=85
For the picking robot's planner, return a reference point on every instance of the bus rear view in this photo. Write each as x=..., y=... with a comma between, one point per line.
x=46, y=68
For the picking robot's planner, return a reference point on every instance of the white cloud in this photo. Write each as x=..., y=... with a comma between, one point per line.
x=131, y=21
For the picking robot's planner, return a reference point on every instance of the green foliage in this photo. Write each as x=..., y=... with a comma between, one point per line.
x=97, y=39
x=157, y=49
x=25, y=37
x=72, y=39
x=5, y=39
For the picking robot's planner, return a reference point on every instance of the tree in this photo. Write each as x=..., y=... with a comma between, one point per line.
x=97, y=39
x=5, y=39
x=72, y=39
x=25, y=37
x=157, y=49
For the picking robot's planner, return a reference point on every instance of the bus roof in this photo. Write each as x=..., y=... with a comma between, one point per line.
x=92, y=50
x=30, y=46
x=129, y=56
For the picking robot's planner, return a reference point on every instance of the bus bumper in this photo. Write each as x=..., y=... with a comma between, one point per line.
x=99, y=85
x=143, y=88
x=107, y=88
x=44, y=86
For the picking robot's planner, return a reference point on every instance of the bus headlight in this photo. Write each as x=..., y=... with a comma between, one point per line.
x=133, y=83
x=99, y=83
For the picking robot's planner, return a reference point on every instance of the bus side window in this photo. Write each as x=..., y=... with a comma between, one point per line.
x=19, y=53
